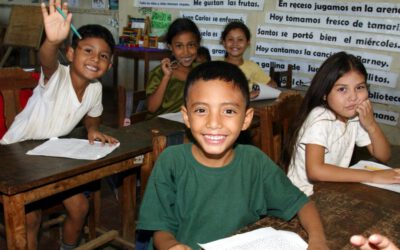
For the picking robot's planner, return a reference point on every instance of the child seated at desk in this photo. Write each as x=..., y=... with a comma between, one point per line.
x=209, y=189
x=236, y=38
x=64, y=96
x=335, y=115
x=166, y=82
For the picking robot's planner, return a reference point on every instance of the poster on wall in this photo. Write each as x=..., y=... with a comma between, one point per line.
x=98, y=4
x=216, y=4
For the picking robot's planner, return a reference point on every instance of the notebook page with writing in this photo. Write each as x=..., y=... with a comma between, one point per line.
x=373, y=166
x=73, y=148
x=260, y=239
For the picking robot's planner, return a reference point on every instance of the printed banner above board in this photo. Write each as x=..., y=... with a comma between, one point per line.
x=216, y=4
x=331, y=37
x=352, y=23
x=341, y=8
x=213, y=18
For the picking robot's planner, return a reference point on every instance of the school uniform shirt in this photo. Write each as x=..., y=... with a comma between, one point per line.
x=254, y=73
x=338, y=138
x=54, y=109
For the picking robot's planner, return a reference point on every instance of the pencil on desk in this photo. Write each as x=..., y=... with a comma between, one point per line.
x=372, y=168
x=72, y=26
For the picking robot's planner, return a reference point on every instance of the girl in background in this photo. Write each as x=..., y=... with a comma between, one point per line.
x=236, y=38
x=166, y=82
x=335, y=115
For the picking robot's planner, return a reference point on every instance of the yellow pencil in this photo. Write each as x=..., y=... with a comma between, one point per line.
x=372, y=168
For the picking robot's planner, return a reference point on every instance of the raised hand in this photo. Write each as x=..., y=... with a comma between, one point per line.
x=56, y=26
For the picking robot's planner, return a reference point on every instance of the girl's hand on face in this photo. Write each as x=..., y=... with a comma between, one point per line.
x=366, y=114
x=166, y=67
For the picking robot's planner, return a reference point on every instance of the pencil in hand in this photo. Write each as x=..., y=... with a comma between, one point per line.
x=72, y=26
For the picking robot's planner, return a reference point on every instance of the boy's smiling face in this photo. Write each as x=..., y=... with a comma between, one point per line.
x=90, y=59
x=215, y=113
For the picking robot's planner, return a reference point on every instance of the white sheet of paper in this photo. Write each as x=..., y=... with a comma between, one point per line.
x=73, y=148
x=363, y=164
x=267, y=92
x=173, y=117
x=260, y=239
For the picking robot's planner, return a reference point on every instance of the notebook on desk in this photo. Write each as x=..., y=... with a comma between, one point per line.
x=263, y=238
x=373, y=166
x=267, y=92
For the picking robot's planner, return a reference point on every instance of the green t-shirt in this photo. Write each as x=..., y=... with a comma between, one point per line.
x=173, y=96
x=199, y=204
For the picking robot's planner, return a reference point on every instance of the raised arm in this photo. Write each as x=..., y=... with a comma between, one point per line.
x=311, y=222
x=57, y=29
x=318, y=170
x=380, y=147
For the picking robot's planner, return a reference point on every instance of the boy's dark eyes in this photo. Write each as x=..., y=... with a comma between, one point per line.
x=230, y=111
x=199, y=110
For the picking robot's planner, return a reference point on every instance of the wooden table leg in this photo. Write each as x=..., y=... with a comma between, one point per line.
x=128, y=206
x=14, y=216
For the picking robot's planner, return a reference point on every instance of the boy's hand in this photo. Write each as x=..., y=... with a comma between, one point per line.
x=366, y=115
x=386, y=176
x=317, y=245
x=57, y=28
x=98, y=136
x=180, y=247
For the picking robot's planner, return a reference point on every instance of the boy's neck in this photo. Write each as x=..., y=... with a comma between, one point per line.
x=79, y=86
x=212, y=161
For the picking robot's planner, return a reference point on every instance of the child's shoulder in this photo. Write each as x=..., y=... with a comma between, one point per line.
x=321, y=113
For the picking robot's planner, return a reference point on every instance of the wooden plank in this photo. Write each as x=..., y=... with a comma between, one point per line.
x=14, y=216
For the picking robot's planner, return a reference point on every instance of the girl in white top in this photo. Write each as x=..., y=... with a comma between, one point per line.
x=335, y=115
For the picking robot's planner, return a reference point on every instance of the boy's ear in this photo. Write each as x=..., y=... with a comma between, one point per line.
x=70, y=53
x=248, y=118
x=185, y=116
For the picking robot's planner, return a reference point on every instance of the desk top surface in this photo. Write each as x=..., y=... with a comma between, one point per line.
x=347, y=209
x=21, y=172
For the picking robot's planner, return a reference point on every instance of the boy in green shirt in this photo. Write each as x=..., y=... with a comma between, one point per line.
x=208, y=190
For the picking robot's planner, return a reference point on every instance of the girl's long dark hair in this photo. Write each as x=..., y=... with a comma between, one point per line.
x=322, y=83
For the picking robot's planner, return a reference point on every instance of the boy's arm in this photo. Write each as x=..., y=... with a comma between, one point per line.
x=166, y=241
x=379, y=147
x=311, y=222
x=57, y=30
x=92, y=127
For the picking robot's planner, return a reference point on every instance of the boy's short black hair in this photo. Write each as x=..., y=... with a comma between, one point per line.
x=95, y=31
x=219, y=70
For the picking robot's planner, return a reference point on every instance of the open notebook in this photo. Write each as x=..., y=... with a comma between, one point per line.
x=266, y=92
x=260, y=239
x=73, y=148
x=373, y=166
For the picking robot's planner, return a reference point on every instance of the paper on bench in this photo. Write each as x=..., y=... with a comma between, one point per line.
x=177, y=116
x=260, y=239
x=363, y=164
x=267, y=92
x=73, y=148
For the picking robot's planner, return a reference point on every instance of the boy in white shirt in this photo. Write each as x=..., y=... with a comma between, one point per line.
x=64, y=96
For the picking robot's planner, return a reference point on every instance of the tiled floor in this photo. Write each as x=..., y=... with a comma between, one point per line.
x=109, y=202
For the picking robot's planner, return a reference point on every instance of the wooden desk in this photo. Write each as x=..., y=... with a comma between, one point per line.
x=25, y=178
x=146, y=54
x=347, y=209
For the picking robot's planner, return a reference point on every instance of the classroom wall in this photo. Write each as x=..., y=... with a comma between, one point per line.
x=304, y=33
x=83, y=13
